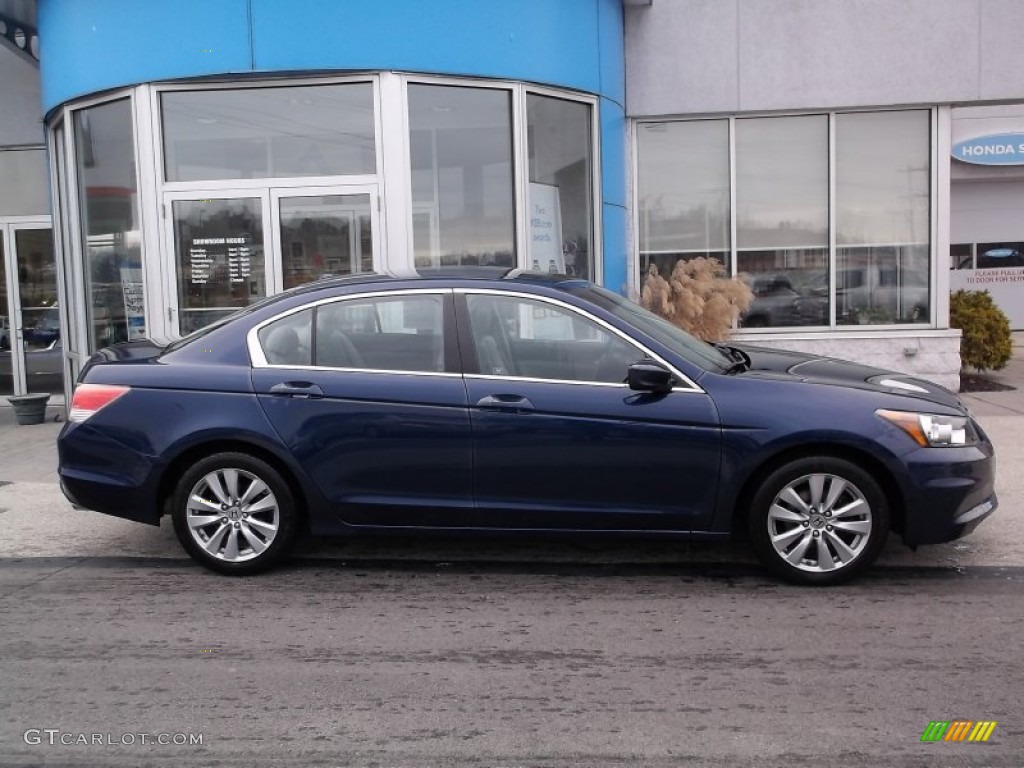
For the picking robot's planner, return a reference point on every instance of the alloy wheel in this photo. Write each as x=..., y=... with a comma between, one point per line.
x=233, y=515
x=820, y=523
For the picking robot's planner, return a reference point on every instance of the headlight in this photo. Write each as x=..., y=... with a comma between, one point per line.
x=930, y=429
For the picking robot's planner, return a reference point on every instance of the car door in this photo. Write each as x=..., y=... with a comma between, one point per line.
x=560, y=441
x=369, y=399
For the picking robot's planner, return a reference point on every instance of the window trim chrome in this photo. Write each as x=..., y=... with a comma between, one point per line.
x=257, y=358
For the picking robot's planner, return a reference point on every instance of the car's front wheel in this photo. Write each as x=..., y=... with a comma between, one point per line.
x=234, y=513
x=818, y=520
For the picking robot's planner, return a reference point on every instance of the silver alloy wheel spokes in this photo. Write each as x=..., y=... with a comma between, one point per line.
x=819, y=523
x=233, y=515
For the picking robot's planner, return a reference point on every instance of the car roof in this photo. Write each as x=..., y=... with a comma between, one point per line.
x=457, y=274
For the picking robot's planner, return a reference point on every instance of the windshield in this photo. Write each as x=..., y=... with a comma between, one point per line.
x=679, y=341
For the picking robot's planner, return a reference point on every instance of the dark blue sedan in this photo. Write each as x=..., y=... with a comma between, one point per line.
x=531, y=403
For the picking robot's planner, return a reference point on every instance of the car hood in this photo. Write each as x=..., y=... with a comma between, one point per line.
x=815, y=369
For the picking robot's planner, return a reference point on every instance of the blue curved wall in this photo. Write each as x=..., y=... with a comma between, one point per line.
x=90, y=46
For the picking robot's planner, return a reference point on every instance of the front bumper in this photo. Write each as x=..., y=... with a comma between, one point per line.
x=948, y=493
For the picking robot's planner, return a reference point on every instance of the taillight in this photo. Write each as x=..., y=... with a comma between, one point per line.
x=90, y=398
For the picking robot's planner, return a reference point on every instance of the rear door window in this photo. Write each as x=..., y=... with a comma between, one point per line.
x=385, y=333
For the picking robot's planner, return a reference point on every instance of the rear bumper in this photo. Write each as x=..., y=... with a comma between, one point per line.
x=98, y=473
x=951, y=491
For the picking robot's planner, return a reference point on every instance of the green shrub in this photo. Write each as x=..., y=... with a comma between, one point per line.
x=986, y=342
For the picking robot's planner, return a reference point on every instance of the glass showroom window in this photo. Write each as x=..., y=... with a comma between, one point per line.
x=683, y=192
x=880, y=203
x=258, y=133
x=460, y=147
x=782, y=219
x=108, y=195
x=883, y=223
x=561, y=191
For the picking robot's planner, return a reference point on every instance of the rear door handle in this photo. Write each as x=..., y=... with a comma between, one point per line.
x=305, y=389
x=514, y=403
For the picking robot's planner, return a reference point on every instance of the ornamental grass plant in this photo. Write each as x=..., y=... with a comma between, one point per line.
x=698, y=297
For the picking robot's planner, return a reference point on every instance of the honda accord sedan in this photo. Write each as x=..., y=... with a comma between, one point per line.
x=523, y=403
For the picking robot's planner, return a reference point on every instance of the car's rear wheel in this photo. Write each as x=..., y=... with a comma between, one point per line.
x=234, y=513
x=819, y=520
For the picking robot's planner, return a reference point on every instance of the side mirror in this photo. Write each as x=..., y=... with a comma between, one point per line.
x=649, y=377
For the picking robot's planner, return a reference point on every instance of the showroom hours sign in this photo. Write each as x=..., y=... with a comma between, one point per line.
x=223, y=260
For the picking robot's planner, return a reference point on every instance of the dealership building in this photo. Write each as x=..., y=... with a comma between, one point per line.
x=163, y=164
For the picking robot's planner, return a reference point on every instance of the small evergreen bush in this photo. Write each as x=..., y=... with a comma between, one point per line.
x=698, y=297
x=986, y=341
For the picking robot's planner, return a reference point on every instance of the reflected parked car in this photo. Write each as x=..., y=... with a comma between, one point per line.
x=879, y=293
x=43, y=367
x=46, y=329
x=775, y=303
x=532, y=403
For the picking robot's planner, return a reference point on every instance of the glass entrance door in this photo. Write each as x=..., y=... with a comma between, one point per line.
x=219, y=256
x=324, y=232
x=31, y=352
x=233, y=247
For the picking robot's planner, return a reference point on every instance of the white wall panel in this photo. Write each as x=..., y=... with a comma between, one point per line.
x=21, y=119
x=708, y=56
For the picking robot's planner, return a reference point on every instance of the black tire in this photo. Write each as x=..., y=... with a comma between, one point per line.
x=262, y=519
x=801, y=525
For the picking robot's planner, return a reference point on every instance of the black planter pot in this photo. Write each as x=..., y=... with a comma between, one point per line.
x=30, y=408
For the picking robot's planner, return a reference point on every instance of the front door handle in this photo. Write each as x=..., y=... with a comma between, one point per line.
x=514, y=403
x=306, y=389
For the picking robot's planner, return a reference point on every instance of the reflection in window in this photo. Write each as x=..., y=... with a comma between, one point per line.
x=460, y=143
x=683, y=191
x=108, y=195
x=218, y=256
x=256, y=133
x=1000, y=255
x=398, y=333
x=287, y=341
x=961, y=256
x=782, y=219
x=6, y=330
x=883, y=205
x=561, y=188
x=325, y=235
x=534, y=339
